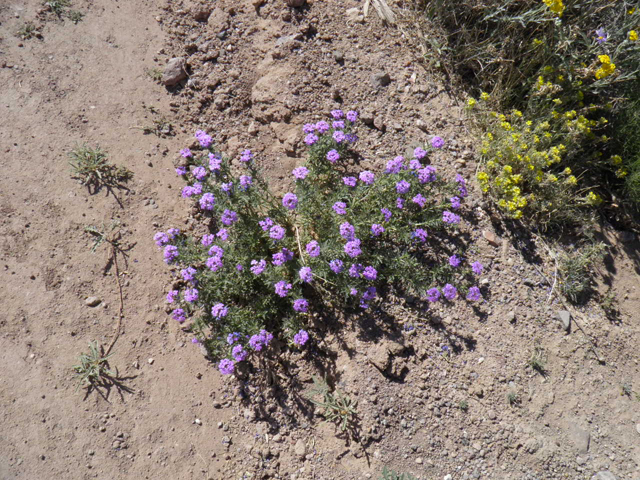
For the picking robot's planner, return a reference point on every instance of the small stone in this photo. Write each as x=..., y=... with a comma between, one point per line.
x=638, y=428
x=565, y=317
x=528, y=282
x=511, y=317
x=380, y=79
x=201, y=13
x=604, y=475
x=447, y=477
x=92, y=301
x=338, y=56
x=295, y=3
x=581, y=439
x=491, y=238
x=174, y=72
x=150, y=361
x=419, y=460
x=249, y=415
x=532, y=445
x=103, y=428
x=300, y=449
x=491, y=415
x=116, y=444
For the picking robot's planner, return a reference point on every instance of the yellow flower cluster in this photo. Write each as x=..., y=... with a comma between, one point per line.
x=633, y=35
x=556, y=6
x=606, y=67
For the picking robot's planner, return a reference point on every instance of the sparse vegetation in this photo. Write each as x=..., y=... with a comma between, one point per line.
x=463, y=405
x=93, y=367
x=27, y=31
x=154, y=74
x=537, y=360
x=574, y=268
x=393, y=475
x=75, y=16
x=513, y=398
x=91, y=167
x=337, y=407
x=57, y=6
x=627, y=389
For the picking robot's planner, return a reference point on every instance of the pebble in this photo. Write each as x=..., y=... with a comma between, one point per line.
x=380, y=79
x=300, y=449
x=174, y=72
x=491, y=415
x=197, y=421
x=92, y=301
x=565, y=317
x=604, y=475
x=638, y=428
x=150, y=361
x=419, y=460
x=448, y=477
x=491, y=238
x=338, y=56
x=511, y=316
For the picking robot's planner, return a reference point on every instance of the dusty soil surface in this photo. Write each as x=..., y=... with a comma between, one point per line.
x=257, y=71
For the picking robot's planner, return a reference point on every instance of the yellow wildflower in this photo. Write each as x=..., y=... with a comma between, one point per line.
x=484, y=96
x=567, y=171
x=606, y=67
x=571, y=180
x=622, y=172
x=616, y=159
x=471, y=102
x=593, y=198
x=633, y=35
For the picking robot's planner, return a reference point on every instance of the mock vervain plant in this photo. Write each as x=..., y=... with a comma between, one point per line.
x=339, y=240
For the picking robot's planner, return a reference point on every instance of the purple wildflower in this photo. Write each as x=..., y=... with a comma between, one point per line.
x=338, y=125
x=277, y=232
x=257, y=267
x=454, y=261
x=477, y=268
x=282, y=288
x=455, y=202
x=266, y=224
x=229, y=217
x=601, y=35
x=369, y=294
x=353, y=292
x=207, y=239
x=419, y=200
x=337, y=114
x=427, y=174
x=370, y=273
x=419, y=153
x=367, y=177
x=300, y=173
x=173, y=232
x=301, y=338
x=204, y=139
x=437, y=142
x=433, y=294
x=306, y=275
x=161, y=239
x=395, y=165
x=219, y=310
x=290, y=201
x=245, y=181
x=313, y=248
x=402, y=186
x=207, y=201
x=355, y=269
x=227, y=187
x=450, y=217
x=188, y=274
x=216, y=251
x=223, y=234
x=336, y=265
x=186, y=153
x=376, y=229
x=352, y=248
x=400, y=203
x=322, y=127
x=349, y=181
x=300, y=305
x=226, y=366
x=239, y=267
x=171, y=296
x=214, y=162
x=347, y=231
x=420, y=234
x=233, y=338
x=178, y=315
x=449, y=291
x=340, y=208
x=339, y=136
x=239, y=353
x=246, y=156
x=386, y=213
x=415, y=164
x=214, y=263
x=310, y=139
x=191, y=295
x=309, y=128
x=352, y=116
x=474, y=294
x=333, y=156
x=170, y=253
x=188, y=191
x=181, y=171
x=199, y=173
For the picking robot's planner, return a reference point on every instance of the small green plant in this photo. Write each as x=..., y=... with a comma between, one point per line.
x=393, y=475
x=513, y=398
x=57, y=6
x=160, y=127
x=574, y=268
x=463, y=405
x=75, y=16
x=627, y=390
x=93, y=367
x=27, y=31
x=538, y=361
x=91, y=167
x=337, y=407
x=154, y=74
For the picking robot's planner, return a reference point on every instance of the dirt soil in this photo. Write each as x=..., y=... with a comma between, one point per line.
x=445, y=395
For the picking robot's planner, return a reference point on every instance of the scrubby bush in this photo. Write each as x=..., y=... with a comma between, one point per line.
x=339, y=240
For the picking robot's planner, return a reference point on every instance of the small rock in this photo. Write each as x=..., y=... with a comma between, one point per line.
x=419, y=460
x=448, y=477
x=604, y=475
x=92, y=302
x=197, y=421
x=511, y=317
x=295, y=3
x=491, y=415
x=300, y=449
x=116, y=444
x=174, y=72
x=565, y=317
x=380, y=79
x=249, y=415
x=150, y=361
x=638, y=428
x=201, y=13
x=528, y=282
x=338, y=56
x=491, y=238
x=581, y=439
x=532, y=445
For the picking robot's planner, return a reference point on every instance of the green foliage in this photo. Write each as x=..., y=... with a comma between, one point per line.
x=238, y=267
x=91, y=167
x=93, y=367
x=463, y=405
x=154, y=74
x=627, y=389
x=27, y=31
x=538, y=360
x=75, y=16
x=57, y=6
x=513, y=398
x=574, y=268
x=337, y=407
x=393, y=475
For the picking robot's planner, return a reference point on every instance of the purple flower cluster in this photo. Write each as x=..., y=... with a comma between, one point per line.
x=427, y=174
x=301, y=338
x=172, y=295
x=455, y=203
x=419, y=200
x=207, y=239
x=188, y=274
x=229, y=217
x=186, y=153
x=257, y=267
x=266, y=224
x=282, y=256
x=367, y=177
x=347, y=231
x=245, y=182
x=161, y=239
x=227, y=187
x=277, y=232
x=215, y=162
x=333, y=156
x=399, y=203
x=450, y=217
x=300, y=305
x=226, y=366
x=450, y=292
x=223, y=234
x=419, y=153
x=300, y=173
x=352, y=248
x=310, y=139
x=477, y=268
x=433, y=294
x=207, y=201
x=437, y=142
x=290, y=201
x=282, y=288
x=349, y=181
x=454, y=261
x=179, y=315
x=306, y=275
x=420, y=234
x=239, y=353
x=336, y=265
x=313, y=248
x=340, y=208
x=260, y=340
x=337, y=114
x=204, y=139
x=462, y=185
x=191, y=190
x=219, y=310
x=377, y=229
x=395, y=165
x=246, y=156
x=199, y=173
x=474, y=294
x=170, y=253
x=352, y=116
x=402, y=187
x=370, y=273
x=386, y=213
x=322, y=127
x=355, y=269
x=181, y=171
